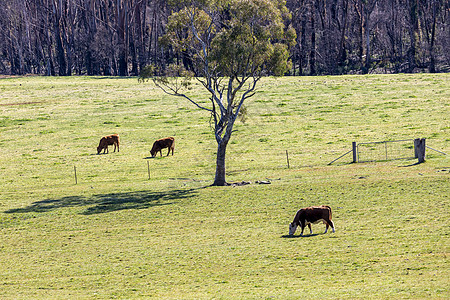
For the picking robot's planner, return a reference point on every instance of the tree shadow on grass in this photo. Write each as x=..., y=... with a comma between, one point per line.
x=287, y=236
x=104, y=203
x=411, y=165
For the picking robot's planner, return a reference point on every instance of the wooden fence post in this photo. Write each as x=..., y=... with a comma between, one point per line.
x=419, y=150
x=354, y=152
x=287, y=158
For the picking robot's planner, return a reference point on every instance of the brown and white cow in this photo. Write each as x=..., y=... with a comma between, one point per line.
x=311, y=215
x=108, y=140
x=158, y=145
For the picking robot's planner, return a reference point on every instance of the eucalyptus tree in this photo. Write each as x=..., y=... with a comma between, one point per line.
x=227, y=46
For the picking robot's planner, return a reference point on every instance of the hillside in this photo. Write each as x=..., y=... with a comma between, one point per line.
x=134, y=227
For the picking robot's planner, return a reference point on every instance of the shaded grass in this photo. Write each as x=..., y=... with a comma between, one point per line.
x=117, y=234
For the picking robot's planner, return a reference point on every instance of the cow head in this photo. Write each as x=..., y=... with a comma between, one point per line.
x=292, y=228
x=99, y=149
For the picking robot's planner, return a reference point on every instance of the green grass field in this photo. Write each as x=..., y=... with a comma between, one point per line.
x=118, y=234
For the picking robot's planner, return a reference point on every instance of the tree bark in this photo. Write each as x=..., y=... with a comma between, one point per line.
x=342, y=54
x=431, y=35
x=121, y=16
x=367, y=39
x=312, y=54
x=58, y=37
x=219, y=179
x=413, y=56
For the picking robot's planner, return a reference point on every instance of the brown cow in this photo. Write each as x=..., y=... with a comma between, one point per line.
x=311, y=215
x=158, y=145
x=108, y=140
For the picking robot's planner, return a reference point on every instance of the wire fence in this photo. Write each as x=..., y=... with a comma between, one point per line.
x=388, y=150
x=385, y=150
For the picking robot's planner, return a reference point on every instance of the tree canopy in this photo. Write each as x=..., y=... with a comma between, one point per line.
x=227, y=46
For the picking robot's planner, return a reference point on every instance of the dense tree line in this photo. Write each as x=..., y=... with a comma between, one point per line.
x=120, y=37
x=347, y=36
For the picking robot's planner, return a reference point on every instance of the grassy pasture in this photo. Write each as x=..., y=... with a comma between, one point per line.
x=119, y=235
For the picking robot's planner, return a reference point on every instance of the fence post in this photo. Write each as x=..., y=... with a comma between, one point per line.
x=419, y=150
x=354, y=152
x=287, y=158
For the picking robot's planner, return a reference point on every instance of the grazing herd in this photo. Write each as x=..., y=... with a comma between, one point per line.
x=158, y=145
x=304, y=217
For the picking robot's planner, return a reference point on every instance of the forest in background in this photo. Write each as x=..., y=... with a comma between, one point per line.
x=120, y=37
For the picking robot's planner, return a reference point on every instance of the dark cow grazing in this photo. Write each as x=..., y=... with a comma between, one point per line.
x=158, y=145
x=311, y=215
x=108, y=140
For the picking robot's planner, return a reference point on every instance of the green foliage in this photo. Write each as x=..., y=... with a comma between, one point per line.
x=231, y=38
x=176, y=78
x=246, y=47
x=279, y=63
x=179, y=29
x=228, y=46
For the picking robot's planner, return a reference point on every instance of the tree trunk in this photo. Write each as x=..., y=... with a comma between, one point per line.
x=342, y=55
x=50, y=64
x=414, y=35
x=432, y=66
x=140, y=21
x=121, y=16
x=134, y=59
x=366, y=67
x=360, y=32
x=57, y=10
x=219, y=179
x=303, y=61
x=222, y=143
x=312, y=54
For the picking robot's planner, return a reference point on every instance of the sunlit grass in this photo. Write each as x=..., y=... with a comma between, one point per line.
x=118, y=234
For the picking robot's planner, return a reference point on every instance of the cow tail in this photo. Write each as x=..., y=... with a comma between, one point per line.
x=331, y=217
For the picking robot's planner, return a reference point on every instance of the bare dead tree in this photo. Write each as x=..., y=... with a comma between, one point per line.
x=120, y=37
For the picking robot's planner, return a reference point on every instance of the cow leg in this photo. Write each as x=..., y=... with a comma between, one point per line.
x=328, y=224
x=303, y=227
x=168, y=152
x=331, y=224
x=310, y=228
x=106, y=150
